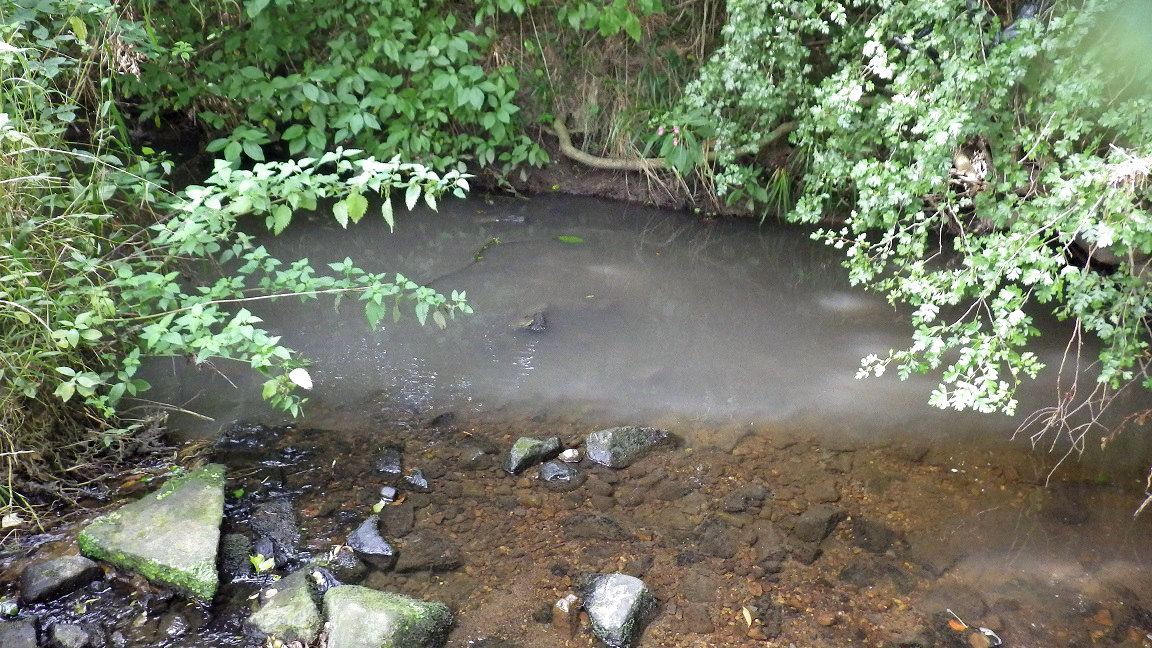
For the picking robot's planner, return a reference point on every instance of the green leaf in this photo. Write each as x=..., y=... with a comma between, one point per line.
x=78, y=27
x=357, y=206
x=281, y=217
x=340, y=212
x=411, y=195
x=566, y=238
x=386, y=212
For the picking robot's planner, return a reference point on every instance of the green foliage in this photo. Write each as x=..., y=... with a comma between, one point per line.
x=101, y=267
x=884, y=95
x=262, y=564
x=395, y=78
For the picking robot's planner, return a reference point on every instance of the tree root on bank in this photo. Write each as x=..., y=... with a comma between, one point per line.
x=560, y=130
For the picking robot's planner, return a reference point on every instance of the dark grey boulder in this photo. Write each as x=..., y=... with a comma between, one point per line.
x=276, y=520
x=370, y=546
x=817, y=523
x=427, y=551
x=618, y=606
x=18, y=634
x=360, y=617
x=235, y=549
x=74, y=635
x=620, y=446
x=51, y=579
x=291, y=613
x=170, y=537
x=528, y=451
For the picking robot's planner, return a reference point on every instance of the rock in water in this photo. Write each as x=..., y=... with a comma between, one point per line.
x=170, y=537
x=617, y=606
x=290, y=614
x=529, y=452
x=18, y=634
x=618, y=447
x=360, y=617
x=51, y=579
x=370, y=546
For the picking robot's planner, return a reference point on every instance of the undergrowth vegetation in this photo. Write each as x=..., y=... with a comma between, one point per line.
x=102, y=266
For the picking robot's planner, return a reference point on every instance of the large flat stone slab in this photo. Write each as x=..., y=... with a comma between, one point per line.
x=361, y=617
x=170, y=537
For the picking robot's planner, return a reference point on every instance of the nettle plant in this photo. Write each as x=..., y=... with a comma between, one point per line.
x=888, y=102
x=407, y=78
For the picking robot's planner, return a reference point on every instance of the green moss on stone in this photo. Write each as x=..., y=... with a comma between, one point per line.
x=133, y=537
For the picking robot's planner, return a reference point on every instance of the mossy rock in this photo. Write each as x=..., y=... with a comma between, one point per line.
x=362, y=617
x=170, y=537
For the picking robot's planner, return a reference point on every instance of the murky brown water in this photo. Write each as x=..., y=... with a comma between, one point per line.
x=741, y=341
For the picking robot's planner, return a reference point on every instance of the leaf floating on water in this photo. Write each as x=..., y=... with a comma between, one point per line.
x=956, y=625
x=300, y=376
x=567, y=238
x=747, y=615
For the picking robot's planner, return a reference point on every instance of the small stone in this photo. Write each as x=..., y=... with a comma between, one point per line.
x=369, y=545
x=979, y=640
x=417, y=481
x=51, y=579
x=826, y=619
x=744, y=498
x=390, y=462
x=571, y=455
x=817, y=523
x=426, y=551
x=561, y=476
x=617, y=606
x=387, y=494
x=533, y=320
x=619, y=447
x=1103, y=617
x=566, y=615
x=72, y=635
x=871, y=536
x=528, y=451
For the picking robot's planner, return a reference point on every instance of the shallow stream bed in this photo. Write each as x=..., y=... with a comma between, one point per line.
x=800, y=506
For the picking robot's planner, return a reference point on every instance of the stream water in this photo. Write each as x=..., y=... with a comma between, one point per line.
x=741, y=340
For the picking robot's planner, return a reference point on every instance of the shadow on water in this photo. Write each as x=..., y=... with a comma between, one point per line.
x=869, y=515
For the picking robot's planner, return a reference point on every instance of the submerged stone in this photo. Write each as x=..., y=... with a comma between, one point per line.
x=51, y=579
x=529, y=452
x=360, y=617
x=291, y=614
x=620, y=446
x=560, y=475
x=427, y=551
x=170, y=537
x=618, y=606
